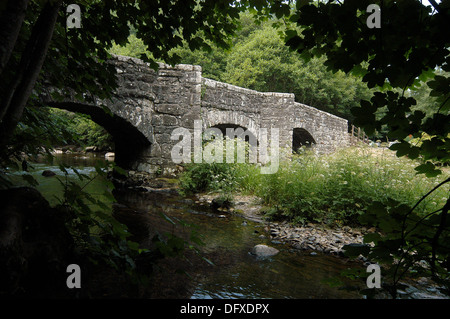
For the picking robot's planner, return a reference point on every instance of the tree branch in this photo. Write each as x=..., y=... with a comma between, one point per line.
x=434, y=242
x=425, y=196
x=10, y=24
x=31, y=62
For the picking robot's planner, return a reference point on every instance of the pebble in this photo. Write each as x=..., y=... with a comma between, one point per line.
x=330, y=241
x=312, y=237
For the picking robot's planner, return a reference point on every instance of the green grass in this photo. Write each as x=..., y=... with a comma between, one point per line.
x=335, y=188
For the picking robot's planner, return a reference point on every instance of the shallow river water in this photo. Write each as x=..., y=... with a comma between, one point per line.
x=228, y=240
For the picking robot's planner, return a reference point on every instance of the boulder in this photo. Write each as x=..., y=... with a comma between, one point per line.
x=68, y=148
x=48, y=173
x=221, y=203
x=264, y=251
x=91, y=149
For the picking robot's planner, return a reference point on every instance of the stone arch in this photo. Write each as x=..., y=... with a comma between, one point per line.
x=217, y=118
x=301, y=137
x=130, y=143
x=239, y=132
x=240, y=152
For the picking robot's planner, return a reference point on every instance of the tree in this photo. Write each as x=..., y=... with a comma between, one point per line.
x=258, y=59
x=19, y=76
x=262, y=62
x=34, y=31
x=213, y=60
x=402, y=53
x=37, y=50
x=410, y=47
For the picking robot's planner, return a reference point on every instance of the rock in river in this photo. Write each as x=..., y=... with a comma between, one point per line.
x=48, y=173
x=264, y=251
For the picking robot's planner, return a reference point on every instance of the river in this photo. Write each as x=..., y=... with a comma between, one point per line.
x=228, y=240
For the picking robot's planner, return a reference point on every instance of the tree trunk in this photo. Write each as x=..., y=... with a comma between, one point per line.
x=10, y=24
x=17, y=94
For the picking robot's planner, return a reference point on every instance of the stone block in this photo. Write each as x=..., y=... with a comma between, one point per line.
x=174, y=109
x=169, y=120
x=157, y=120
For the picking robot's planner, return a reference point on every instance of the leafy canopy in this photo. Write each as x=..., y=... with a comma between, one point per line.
x=409, y=48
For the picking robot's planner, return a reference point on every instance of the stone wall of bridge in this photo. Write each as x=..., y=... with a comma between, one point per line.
x=230, y=104
x=148, y=105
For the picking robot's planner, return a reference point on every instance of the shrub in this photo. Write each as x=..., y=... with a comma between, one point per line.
x=334, y=188
x=339, y=187
x=207, y=177
x=224, y=177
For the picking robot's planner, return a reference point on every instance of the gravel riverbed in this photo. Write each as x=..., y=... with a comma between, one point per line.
x=314, y=237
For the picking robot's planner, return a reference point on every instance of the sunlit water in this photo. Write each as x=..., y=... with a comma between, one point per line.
x=228, y=240
x=53, y=187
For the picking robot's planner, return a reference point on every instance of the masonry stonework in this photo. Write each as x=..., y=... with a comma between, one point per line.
x=148, y=105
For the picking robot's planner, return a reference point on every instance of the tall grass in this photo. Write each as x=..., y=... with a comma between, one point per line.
x=334, y=188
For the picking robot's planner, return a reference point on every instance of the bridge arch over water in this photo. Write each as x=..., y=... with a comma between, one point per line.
x=148, y=105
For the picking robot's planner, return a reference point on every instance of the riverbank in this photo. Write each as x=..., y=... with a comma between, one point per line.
x=308, y=240
x=309, y=237
x=108, y=153
x=320, y=239
x=229, y=234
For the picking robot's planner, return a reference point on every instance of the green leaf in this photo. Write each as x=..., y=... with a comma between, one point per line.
x=301, y=3
x=134, y=246
x=381, y=254
x=120, y=170
x=402, y=148
x=194, y=238
x=372, y=237
x=289, y=34
x=63, y=169
x=429, y=169
x=80, y=176
x=354, y=250
x=414, y=152
x=177, y=243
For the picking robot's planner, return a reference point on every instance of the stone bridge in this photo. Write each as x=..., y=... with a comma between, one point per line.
x=148, y=105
